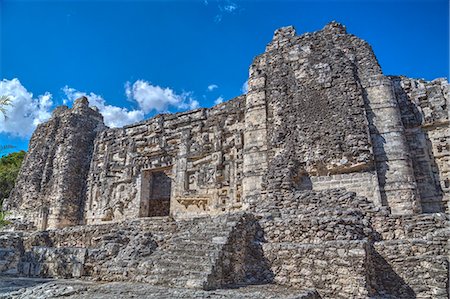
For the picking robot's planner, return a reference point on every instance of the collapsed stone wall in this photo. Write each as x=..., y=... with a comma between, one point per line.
x=200, y=151
x=51, y=185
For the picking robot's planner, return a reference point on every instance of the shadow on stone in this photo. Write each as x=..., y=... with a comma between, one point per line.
x=242, y=261
x=385, y=282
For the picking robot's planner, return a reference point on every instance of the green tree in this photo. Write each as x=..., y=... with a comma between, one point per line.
x=9, y=169
x=9, y=165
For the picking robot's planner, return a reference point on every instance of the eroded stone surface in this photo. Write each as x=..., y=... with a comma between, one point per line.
x=40, y=289
x=51, y=187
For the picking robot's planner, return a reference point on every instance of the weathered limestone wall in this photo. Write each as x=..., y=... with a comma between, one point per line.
x=319, y=239
x=344, y=246
x=318, y=114
x=319, y=105
x=205, y=252
x=335, y=269
x=200, y=151
x=424, y=108
x=51, y=186
x=363, y=183
x=305, y=115
x=398, y=187
x=255, y=155
x=411, y=258
x=11, y=252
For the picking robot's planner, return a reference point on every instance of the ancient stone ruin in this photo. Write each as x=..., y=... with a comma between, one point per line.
x=327, y=176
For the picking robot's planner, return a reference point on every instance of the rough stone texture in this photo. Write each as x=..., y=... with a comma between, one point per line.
x=319, y=239
x=200, y=151
x=11, y=252
x=75, y=289
x=425, y=116
x=51, y=186
x=326, y=175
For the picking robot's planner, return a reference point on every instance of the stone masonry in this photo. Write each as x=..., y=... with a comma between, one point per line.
x=51, y=187
x=327, y=176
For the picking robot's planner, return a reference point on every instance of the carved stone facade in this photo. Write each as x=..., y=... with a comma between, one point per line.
x=199, y=152
x=258, y=182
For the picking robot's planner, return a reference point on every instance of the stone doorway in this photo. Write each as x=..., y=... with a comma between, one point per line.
x=156, y=187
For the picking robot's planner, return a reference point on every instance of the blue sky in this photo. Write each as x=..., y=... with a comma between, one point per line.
x=138, y=58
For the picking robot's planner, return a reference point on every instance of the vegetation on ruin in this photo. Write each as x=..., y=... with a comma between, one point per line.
x=9, y=165
x=9, y=169
x=3, y=220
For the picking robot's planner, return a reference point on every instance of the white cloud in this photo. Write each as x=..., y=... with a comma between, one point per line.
x=113, y=116
x=224, y=8
x=155, y=98
x=218, y=18
x=211, y=87
x=244, y=87
x=230, y=7
x=218, y=100
x=26, y=112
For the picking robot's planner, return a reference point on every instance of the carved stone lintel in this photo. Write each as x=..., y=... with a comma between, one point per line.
x=200, y=202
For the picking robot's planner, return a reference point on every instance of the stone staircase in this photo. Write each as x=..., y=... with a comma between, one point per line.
x=160, y=251
x=110, y=248
x=190, y=257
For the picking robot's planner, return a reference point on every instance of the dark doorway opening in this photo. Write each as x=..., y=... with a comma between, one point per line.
x=155, y=193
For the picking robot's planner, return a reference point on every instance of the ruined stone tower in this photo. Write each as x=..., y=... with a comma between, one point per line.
x=327, y=174
x=51, y=187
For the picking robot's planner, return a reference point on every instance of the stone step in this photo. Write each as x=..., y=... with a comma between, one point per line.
x=177, y=266
x=205, y=230
x=176, y=271
x=209, y=238
x=182, y=282
x=188, y=258
x=187, y=246
x=195, y=253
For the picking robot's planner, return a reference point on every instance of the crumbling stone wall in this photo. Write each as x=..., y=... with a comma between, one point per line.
x=425, y=116
x=51, y=185
x=319, y=239
x=312, y=111
x=319, y=105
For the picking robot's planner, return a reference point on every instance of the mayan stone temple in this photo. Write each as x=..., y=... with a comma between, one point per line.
x=328, y=178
